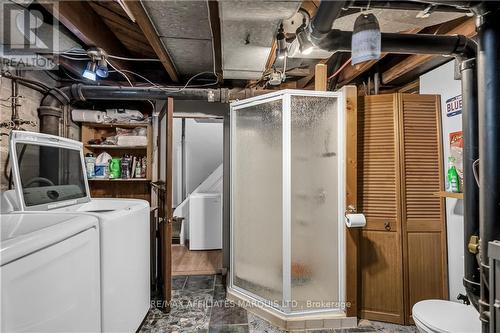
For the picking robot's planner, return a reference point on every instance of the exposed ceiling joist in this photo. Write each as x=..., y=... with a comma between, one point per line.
x=467, y=28
x=299, y=72
x=82, y=21
x=128, y=32
x=352, y=72
x=213, y=8
x=149, y=31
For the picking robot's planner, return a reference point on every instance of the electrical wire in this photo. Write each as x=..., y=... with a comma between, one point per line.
x=119, y=71
x=133, y=59
x=340, y=69
x=86, y=58
x=168, y=88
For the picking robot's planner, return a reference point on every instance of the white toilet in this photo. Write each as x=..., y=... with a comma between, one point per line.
x=439, y=316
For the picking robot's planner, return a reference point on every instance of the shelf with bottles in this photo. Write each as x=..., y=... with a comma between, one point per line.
x=102, y=147
x=104, y=187
x=119, y=180
x=445, y=194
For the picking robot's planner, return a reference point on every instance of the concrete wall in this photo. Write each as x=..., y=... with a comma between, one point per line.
x=441, y=81
x=27, y=111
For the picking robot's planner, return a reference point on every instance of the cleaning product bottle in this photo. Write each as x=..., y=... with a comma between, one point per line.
x=90, y=165
x=453, y=179
x=115, y=168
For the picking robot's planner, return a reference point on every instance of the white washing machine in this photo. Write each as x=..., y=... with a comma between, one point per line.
x=49, y=175
x=49, y=271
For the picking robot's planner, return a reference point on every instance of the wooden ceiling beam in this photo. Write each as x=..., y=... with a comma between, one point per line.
x=154, y=40
x=353, y=71
x=213, y=11
x=87, y=26
x=467, y=28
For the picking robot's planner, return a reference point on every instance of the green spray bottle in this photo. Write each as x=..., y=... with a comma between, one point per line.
x=453, y=178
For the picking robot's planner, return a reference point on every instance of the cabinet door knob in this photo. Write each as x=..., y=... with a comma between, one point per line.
x=387, y=225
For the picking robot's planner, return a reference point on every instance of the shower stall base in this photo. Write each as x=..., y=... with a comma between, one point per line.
x=287, y=208
x=295, y=322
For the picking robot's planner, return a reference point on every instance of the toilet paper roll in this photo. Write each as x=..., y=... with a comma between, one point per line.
x=355, y=220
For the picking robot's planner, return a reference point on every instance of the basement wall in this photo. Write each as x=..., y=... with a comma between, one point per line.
x=441, y=81
x=27, y=111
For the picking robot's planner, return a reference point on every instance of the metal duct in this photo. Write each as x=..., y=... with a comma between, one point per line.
x=248, y=29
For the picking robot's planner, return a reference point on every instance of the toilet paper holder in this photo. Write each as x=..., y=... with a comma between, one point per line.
x=350, y=210
x=351, y=221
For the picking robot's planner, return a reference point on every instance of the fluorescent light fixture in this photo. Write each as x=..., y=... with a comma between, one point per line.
x=89, y=72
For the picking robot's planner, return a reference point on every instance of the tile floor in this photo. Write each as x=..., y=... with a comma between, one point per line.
x=199, y=305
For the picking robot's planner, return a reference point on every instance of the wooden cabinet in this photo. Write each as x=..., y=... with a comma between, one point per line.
x=133, y=188
x=402, y=249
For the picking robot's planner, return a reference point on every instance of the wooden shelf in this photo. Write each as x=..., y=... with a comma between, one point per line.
x=112, y=125
x=138, y=188
x=114, y=147
x=445, y=194
x=119, y=180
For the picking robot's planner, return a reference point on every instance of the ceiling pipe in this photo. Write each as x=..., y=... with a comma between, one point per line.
x=323, y=36
x=464, y=50
x=454, y=7
x=51, y=111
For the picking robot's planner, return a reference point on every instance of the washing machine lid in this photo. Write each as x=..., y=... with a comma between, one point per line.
x=26, y=233
x=447, y=317
x=48, y=171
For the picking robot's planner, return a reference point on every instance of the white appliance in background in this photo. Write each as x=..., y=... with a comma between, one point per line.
x=50, y=273
x=123, y=223
x=205, y=221
x=209, y=228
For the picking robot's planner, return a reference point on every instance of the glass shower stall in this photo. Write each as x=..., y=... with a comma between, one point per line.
x=288, y=200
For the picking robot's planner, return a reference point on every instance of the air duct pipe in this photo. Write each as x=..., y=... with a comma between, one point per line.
x=489, y=139
x=463, y=49
x=340, y=41
x=50, y=110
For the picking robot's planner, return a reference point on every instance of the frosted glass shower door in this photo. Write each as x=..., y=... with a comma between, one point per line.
x=257, y=162
x=288, y=200
x=316, y=156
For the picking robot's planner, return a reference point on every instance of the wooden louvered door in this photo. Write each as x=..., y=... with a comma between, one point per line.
x=380, y=253
x=423, y=222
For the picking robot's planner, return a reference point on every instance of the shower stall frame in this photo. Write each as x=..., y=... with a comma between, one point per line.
x=237, y=293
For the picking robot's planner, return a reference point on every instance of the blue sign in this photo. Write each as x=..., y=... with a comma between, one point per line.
x=454, y=106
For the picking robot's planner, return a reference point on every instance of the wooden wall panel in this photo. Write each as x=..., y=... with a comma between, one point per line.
x=380, y=256
x=352, y=234
x=377, y=160
x=381, y=292
x=402, y=256
x=425, y=269
x=423, y=219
